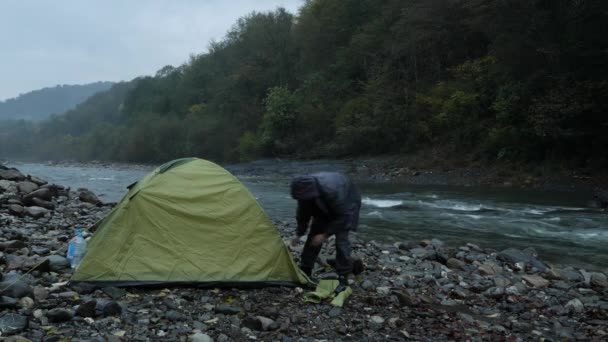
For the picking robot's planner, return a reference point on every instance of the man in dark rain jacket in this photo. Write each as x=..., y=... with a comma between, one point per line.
x=333, y=202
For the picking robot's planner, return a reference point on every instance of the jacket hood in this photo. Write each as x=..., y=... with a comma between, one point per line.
x=304, y=188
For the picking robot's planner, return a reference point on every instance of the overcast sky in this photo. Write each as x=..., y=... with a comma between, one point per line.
x=49, y=42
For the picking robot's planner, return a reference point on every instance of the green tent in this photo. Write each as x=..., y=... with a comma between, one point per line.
x=188, y=222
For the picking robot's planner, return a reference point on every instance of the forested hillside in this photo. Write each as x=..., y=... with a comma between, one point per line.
x=40, y=104
x=523, y=80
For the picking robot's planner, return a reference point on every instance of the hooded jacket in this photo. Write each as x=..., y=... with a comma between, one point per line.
x=328, y=194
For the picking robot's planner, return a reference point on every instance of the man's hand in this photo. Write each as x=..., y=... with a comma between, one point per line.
x=318, y=239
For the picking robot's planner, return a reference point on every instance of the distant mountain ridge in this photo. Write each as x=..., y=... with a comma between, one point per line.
x=42, y=103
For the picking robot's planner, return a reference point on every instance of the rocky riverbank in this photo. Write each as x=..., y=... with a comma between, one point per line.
x=419, y=291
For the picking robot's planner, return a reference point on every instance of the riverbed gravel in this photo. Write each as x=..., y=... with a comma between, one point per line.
x=411, y=290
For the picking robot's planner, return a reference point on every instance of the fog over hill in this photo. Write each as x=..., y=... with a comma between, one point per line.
x=40, y=104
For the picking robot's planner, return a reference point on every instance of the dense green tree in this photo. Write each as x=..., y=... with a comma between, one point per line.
x=522, y=80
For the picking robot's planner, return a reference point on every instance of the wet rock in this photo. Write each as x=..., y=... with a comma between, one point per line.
x=26, y=303
x=227, y=309
x=383, y=290
x=88, y=196
x=489, y=269
x=43, y=204
x=575, y=305
x=26, y=187
x=11, y=175
x=11, y=324
x=36, y=180
x=36, y=212
x=420, y=253
x=15, y=289
x=535, y=280
x=599, y=280
x=40, y=250
x=455, y=264
x=494, y=292
x=42, y=193
x=87, y=309
x=110, y=308
x=174, y=316
x=199, y=337
x=515, y=256
x=258, y=323
x=58, y=263
x=28, y=263
x=335, y=312
x=40, y=293
x=114, y=292
x=16, y=209
x=11, y=245
x=367, y=285
x=7, y=302
x=570, y=275
x=58, y=315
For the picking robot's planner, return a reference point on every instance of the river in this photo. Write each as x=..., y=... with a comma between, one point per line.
x=560, y=226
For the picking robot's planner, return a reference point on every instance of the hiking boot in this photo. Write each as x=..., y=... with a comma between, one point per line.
x=343, y=284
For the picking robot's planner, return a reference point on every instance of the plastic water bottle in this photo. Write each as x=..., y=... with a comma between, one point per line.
x=76, y=249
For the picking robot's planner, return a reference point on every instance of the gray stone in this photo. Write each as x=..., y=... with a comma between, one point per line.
x=535, y=280
x=599, y=280
x=26, y=187
x=26, y=303
x=383, y=290
x=174, y=316
x=455, y=264
x=87, y=309
x=15, y=289
x=335, y=312
x=58, y=315
x=514, y=256
x=199, y=337
x=16, y=209
x=7, y=302
x=226, y=309
x=88, y=196
x=420, y=253
x=43, y=204
x=42, y=193
x=501, y=282
x=367, y=285
x=575, y=305
x=111, y=308
x=12, y=245
x=12, y=324
x=494, y=292
x=58, y=263
x=489, y=268
x=267, y=323
x=376, y=320
x=37, y=181
x=571, y=276
x=11, y=174
x=114, y=292
x=36, y=212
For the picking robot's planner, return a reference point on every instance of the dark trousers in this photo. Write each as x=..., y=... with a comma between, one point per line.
x=344, y=262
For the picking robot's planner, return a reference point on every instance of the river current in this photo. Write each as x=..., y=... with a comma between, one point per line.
x=562, y=227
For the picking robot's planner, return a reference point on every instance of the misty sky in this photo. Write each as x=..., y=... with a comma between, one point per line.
x=45, y=42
